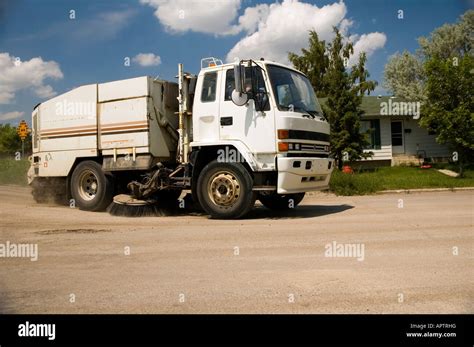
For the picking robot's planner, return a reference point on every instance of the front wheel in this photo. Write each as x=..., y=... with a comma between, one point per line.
x=225, y=190
x=91, y=188
x=276, y=201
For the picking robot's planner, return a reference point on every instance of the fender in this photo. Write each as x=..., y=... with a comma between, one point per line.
x=244, y=151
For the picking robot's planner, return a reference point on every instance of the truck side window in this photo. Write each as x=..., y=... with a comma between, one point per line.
x=259, y=83
x=209, y=84
x=229, y=84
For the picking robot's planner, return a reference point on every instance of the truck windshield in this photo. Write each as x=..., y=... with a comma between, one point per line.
x=293, y=91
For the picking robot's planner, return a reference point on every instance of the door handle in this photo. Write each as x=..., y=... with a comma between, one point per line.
x=226, y=121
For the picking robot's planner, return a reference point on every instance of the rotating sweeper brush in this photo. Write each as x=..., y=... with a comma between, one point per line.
x=127, y=206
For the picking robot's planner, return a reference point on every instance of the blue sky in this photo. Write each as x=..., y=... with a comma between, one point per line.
x=92, y=47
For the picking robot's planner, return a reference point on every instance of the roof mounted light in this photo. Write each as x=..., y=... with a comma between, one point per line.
x=210, y=62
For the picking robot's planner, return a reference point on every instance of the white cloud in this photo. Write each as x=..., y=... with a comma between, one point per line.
x=251, y=17
x=147, y=59
x=367, y=43
x=345, y=25
x=45, y=92
x=205, y=16
x=271, y=30
x=28, y=74
x=11, y=115
x=286, y=27
x=283, y=27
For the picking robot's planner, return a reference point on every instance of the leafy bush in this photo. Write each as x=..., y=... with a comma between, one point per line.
x=13, y=171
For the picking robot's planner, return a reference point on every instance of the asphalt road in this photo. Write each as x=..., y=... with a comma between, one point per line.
x=413, y=255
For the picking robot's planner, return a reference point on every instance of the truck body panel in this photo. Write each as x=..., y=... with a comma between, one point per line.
x=69, y=121
x=110, y=119
x=124, y=89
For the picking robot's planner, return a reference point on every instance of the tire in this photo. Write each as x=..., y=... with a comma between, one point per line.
x=280, y=202
x=91, y=188
x=195, y=197
x=225, y=190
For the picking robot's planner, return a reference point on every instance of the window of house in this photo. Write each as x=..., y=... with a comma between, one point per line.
x=397, y=133
x=209, y=85
x=372, y=130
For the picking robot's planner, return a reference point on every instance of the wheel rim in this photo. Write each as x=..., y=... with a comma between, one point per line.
x=88, y=185
x=223, y=189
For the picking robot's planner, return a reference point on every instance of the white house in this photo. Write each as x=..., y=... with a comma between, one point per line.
x=397, y=137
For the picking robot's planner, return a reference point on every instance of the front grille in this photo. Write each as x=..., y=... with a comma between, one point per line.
x=316, y=148
x=307, y=135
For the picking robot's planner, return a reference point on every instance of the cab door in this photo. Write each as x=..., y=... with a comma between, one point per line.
x=206, y=109
x=255, y=129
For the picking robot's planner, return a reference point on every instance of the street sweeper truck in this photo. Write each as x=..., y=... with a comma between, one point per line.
x=228, y=136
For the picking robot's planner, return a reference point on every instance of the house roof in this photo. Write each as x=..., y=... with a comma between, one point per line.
x=371, y=105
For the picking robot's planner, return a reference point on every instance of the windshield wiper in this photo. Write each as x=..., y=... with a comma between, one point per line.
x=317, y=113
x=309, y=113
x=312, y=114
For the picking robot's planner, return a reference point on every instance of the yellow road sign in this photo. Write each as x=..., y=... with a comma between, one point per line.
x=23, y=130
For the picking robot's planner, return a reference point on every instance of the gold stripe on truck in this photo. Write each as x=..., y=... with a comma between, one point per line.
x=106, y=129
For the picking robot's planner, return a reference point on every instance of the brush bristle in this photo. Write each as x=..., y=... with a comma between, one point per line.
x=134, y=211
x=153, y=210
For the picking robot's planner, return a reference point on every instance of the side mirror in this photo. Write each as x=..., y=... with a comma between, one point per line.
x=239, y=97
x=239, y=77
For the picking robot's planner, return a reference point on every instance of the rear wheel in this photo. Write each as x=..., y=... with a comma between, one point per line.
x=225, y=190
x=276, y=201
x=91, y=188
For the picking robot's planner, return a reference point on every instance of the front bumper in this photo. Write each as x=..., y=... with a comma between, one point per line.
x=298, y=175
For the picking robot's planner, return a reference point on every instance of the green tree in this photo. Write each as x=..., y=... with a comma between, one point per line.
x=313, y=62
x=404, y=74
x=440, y=75
x=10, y=142
x=327, y=67
x=450, y=40
x=450, y=105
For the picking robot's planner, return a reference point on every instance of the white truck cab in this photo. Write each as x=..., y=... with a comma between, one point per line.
x=285, y=133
